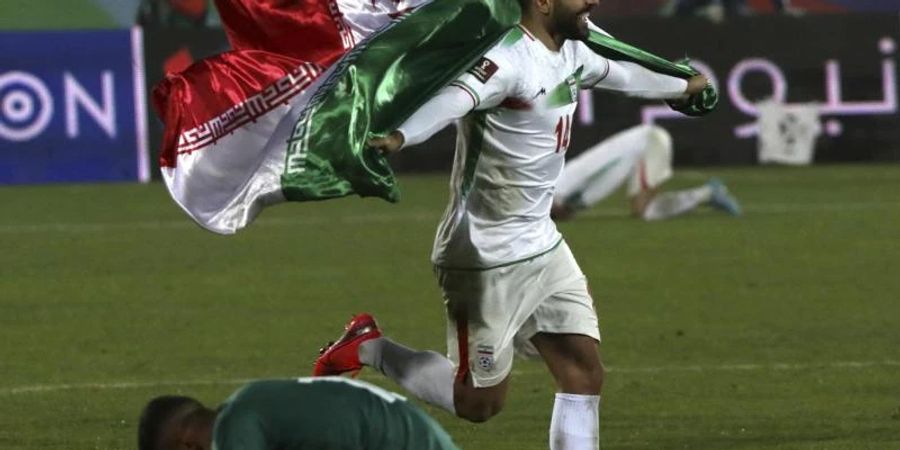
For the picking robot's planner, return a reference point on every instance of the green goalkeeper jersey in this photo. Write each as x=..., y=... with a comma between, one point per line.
x=329, y=413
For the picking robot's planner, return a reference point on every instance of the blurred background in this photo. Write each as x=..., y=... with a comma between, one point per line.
x=840, y=55
x=776, y=331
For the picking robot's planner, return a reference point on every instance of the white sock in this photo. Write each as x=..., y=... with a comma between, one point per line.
x=427, y=375
x=575, y=424
x=670, y=204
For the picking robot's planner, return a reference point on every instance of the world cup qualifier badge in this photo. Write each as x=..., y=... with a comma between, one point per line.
x=484, y=70
x=485, y=355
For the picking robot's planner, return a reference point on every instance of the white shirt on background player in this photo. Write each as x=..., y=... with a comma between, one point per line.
x=515, y=112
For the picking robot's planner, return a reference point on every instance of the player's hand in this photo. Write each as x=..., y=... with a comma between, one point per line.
x=388, y=144
x=696, y=85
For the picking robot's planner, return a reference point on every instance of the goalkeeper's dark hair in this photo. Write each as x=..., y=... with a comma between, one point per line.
x=155, y=415
x=525, y=4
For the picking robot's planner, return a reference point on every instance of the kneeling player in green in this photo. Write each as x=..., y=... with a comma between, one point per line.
x=328, y=413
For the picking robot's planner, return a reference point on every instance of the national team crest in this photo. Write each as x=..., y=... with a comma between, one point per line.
x=573, y=87
x=485, y=355
x=566, y=92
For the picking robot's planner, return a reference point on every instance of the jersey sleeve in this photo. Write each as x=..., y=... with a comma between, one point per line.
x=626, y=77
x=449, y=104
x=596, y=67
x=490, y=81
x=634, y=80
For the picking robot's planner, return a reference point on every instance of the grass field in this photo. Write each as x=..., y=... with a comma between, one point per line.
x=780, y=330
x=52, y=14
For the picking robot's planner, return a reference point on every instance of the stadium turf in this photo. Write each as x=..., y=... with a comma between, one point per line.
x=52, y=15
x=780, y=330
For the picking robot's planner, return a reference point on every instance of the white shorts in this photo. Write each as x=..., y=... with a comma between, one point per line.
x=655, y=164
x=492, y=312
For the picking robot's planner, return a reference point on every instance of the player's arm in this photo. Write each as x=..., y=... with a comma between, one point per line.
x=633, y=79
x=450, y=104
x=484, y=86
x=636, y=81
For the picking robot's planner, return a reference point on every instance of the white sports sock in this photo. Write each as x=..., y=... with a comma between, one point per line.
x=575, y=424
x=670, y=204
x=427, y=375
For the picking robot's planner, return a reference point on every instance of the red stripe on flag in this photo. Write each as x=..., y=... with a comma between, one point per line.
x=277, y=94
x=306, y=30
x=213, y=96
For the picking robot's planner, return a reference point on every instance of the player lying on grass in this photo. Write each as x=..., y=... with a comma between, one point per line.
x=293, y=414
x=642, y=157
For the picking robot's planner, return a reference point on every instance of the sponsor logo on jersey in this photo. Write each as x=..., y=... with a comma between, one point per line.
x=484, y=70
x=485, y=357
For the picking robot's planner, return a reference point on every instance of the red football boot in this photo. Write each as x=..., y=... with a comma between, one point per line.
x=342, y=356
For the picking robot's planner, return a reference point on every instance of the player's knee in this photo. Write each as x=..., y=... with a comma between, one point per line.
x=479, y=410
x=479, y=405
x=592, y=377
x=595, y=376
x=585, y=379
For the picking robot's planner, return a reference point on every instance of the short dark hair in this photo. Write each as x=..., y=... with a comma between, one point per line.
x=525, y=4
x=157, y=412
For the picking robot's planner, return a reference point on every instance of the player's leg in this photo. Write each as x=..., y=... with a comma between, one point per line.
x=599, y=171
x=574, y=361
x=650, y=204
x=426, y=374
x=655, y=168
x=435, y=379
x=438, y=380
x=484, y=311
x=564, y=331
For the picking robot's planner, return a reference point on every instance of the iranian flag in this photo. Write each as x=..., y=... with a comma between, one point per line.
x=285, y=115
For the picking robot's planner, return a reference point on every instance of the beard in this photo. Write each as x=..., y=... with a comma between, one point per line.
x=571, y=24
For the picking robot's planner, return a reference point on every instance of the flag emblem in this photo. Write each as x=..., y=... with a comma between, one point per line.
x=485, y=357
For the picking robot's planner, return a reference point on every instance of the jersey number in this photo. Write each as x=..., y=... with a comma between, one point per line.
x=563, y=132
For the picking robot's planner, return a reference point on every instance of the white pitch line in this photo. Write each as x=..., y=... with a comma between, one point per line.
x=186, y=223
x=749, y=367
x=38, y=388
x=414, y=216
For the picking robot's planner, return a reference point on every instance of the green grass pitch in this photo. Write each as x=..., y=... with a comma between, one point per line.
x=52, y=15
x=780, y=330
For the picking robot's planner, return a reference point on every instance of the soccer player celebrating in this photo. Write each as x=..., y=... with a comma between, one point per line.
x=508, y=277
x=640, y=156
x=300, y=414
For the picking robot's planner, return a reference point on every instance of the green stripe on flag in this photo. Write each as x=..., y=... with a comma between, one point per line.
x=378, y=86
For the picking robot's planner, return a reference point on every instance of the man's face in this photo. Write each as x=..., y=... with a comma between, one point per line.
x=570, y=17
x=185, y=432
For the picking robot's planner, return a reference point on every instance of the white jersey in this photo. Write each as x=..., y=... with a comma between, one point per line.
x=510, y=149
